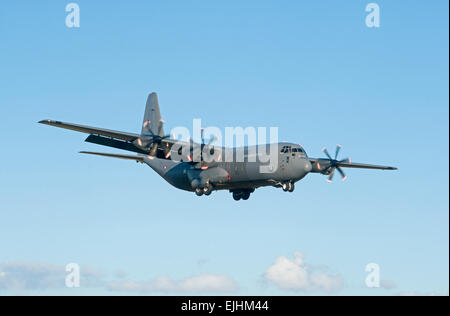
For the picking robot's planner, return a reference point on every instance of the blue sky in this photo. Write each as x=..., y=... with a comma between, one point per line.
x=311, y=68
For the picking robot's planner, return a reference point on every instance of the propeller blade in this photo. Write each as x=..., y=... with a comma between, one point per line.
x=346, y=160
x=324, y=149
x=153, y=150
x=330, y=178
x=146, y=125
x=344, y=177
x=160, y=126
x=338, y=148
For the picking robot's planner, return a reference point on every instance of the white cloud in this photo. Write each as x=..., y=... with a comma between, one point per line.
x=205, y=283
x=39, y=276
x=295, y=275
x=26, y=275
x=42, y=276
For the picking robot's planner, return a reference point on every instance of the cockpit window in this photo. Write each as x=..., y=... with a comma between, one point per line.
x=301, y=150
x=289, y=149
x=298, y=150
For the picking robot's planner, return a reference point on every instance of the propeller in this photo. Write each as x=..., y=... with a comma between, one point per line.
x=212, y=139
x=152, y=141
x=334, y=164
x=198, y=150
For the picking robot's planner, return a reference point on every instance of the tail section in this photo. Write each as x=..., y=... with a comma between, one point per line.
x=152, y=123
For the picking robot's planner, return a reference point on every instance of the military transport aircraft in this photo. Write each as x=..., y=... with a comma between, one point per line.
x=241, y=178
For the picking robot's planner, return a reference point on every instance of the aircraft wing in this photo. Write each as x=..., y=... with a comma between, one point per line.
x=129, y=137
x=325, y=162
x=129, y=157
x=364, y=166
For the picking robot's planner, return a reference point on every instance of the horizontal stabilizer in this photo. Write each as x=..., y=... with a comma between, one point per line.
x=129, y=157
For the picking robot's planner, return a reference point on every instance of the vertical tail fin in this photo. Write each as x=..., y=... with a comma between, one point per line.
x=152, y=123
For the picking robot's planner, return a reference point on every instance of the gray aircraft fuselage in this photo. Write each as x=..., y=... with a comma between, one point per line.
x=246, y=175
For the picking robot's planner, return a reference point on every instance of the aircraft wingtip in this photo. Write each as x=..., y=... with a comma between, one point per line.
x=45, y=121
x=50, y=122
